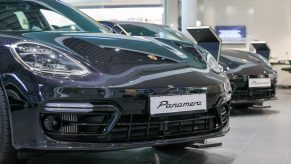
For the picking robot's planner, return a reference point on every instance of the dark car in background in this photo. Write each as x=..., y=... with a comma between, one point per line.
x=252, y=78
x=67, y=85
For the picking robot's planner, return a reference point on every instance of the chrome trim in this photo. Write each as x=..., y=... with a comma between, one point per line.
x=69, y=105
x=68, y=110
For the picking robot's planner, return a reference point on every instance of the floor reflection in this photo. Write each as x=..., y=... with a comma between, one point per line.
x=256, y=136
x=136, y=156
x=253, y=112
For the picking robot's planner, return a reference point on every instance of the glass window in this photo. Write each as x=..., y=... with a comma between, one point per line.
x=153, y=30
x=136, y=30
x=59, y=22
x=31, y=16
x=175, y=34
x=22, y=20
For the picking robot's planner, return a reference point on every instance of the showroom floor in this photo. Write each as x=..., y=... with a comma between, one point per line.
x=259, y=136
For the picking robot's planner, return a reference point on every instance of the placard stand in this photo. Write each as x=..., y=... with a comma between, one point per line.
x=204, y=144
x=262, y=48
x=206, y=38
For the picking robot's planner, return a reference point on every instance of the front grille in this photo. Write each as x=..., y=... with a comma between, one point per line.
x=112, y=60
x=253, y=94
x=137, y=127
x=140, y=128
x=241, y=90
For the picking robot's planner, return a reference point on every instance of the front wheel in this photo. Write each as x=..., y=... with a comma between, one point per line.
x=8, y=154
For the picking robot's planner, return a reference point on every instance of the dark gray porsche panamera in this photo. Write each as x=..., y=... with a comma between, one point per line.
x=67, y=85
x=252, y=78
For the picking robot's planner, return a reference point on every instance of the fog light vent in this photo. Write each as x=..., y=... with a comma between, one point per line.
x=75, y=121
x=52, y=123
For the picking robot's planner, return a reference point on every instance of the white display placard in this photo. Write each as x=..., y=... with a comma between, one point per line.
x=259, y=82
x=177, y=103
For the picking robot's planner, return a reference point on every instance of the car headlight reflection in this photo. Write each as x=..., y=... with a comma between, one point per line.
x=44, y=59
x=214, y=66
x=227, y=86
x=210, y=60
x=266, y=61
x=273, y=76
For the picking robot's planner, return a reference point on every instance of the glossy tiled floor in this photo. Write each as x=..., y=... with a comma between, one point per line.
x=257, y=136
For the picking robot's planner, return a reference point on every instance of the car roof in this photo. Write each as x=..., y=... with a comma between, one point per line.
x=231, y=51
x=136, y=23
x=235, y=53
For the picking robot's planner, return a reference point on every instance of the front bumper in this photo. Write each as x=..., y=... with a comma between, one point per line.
x=254, y=101
x=72, y=146
x=132, y=129
x=242, y=94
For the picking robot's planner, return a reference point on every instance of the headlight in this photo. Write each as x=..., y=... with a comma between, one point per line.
x=265, y=61
x=227, y=86
x=44, y=59
x=273, y=76
x=222, y=69
x=210, y=60
x=214, y=66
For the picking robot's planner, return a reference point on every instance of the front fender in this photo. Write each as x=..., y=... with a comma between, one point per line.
x=3, y=90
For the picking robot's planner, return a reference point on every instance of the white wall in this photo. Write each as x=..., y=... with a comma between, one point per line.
x=171, y=13
x=145, y=14
x=188, y=14
x=151, y=11
x=268, y=20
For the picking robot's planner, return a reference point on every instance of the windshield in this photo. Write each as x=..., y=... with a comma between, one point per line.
x=153, y=30
x=32, y=16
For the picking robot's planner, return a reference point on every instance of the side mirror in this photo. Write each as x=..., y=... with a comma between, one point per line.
x=206, y=38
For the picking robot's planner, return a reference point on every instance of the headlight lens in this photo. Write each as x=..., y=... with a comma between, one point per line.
x=210, y=60
x=221, y=68
x=265, y=61
x=273, y=76
x=214, y=66
x=44, y=59
x=227, y=86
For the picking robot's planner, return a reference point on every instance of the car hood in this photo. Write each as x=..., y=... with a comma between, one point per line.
x=244, y=63
x=137, y=44
x=176, y=71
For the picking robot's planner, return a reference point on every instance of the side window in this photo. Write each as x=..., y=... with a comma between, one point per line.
x=59, y=22
x=22, y=20
x=108, y=27
x=13, y=20
x=111, y=28
x=134, y=30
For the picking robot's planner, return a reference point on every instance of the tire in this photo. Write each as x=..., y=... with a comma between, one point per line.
x=8, y=155
x=173, y=147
